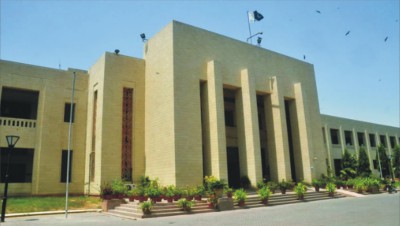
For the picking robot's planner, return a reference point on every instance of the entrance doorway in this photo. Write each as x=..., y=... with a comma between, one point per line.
x=233, y=167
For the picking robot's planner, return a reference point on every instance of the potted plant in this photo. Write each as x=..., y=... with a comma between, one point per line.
x=199, y=193
x=316, y=183
x=240, y=196
x=261, y=184
x=331, y=188
x=359, y=185
x=169, y=193
x=154, y=194
x=228, y=192
x=283, y=186
x=119, y=189
x=300, y=189
x=212, y=201
x=264, y=193
x=106, y=191
x=350, y=183
x=272, y=186
x=178, y=194
x=185, y=204
x=146, y=207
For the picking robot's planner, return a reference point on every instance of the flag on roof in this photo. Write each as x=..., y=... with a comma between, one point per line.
x=255, y=16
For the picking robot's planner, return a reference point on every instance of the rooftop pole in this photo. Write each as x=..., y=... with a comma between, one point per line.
x=69, y=145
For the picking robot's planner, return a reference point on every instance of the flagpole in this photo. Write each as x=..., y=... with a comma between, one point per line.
x=69, y=145
x=248, y=22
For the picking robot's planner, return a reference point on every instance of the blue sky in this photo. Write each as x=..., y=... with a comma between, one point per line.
x=357, y=75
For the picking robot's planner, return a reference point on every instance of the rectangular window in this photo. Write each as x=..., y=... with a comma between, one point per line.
x=229, y=118
x=382, y=139
x=18, y=103
x=338, y=166
x=360, y=138
x=348, y=138
x=335, y=136
x=67, y=111
x=392, y=142
x=64, y=160
x=21, y=165
x=372, y=140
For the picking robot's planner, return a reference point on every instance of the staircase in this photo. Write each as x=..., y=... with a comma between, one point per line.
x=131, y=210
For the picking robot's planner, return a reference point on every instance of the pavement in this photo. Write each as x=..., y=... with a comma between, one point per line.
x=381, y=210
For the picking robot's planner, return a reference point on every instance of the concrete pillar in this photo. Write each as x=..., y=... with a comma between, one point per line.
x=304, y=133
x=368, y=150
x=278, y=146
x=328, y=147
x=249, y=134
x=216, y=121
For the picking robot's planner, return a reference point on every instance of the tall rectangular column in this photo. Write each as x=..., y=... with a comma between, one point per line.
x=305, y=138
x=278, y=145
x=249, y=135
x=216, y=122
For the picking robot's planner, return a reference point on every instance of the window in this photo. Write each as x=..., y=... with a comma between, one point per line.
x=229, y=118
x=382, y=139
x=67, y=111
x=64, y=160
x=360, y=138
x=338, y=166
x=18, y=103
x=392, y=142
x=375, y=162
x=348, y=138
x=372, y=140
x=335, y=136
x=21, y=165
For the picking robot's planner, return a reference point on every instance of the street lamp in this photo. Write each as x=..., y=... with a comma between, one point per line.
x=11, y=141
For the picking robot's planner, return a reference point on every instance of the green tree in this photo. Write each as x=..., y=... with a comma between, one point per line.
x=384, y=160
x=363, y=167
x=349, y=166
x=396, y=161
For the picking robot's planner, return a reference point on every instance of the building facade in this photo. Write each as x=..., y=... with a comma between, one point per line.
x=197, y=104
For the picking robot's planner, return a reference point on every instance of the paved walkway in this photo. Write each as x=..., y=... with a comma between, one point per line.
x=381, y=209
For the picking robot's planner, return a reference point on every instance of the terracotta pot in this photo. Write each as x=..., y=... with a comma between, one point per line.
x=264, y=201
x=170, y=199
x=316, y=189
x=197, y=197
x=189, y=198
x=241, y=203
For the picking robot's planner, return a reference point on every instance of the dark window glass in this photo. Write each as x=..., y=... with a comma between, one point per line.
x=338, y=166
x=335, y=136
x=382, y=139
x=348, y=137
x=375, y=162
x=67, y=111
x=17, y=103
x=229, y=118
x=392, y=142
x=21, y=165
x=64, y=160
x=360, y=137
x=372, y=140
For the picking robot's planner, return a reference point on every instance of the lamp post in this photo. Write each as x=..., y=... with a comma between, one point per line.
x=11, y=141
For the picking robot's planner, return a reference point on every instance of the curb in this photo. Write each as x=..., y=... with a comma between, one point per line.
x=52, y=212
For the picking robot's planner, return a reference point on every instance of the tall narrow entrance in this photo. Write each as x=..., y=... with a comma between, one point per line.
x=233, y=167
x=290, y=140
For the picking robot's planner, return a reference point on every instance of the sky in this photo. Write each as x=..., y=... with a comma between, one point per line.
x=357, y=74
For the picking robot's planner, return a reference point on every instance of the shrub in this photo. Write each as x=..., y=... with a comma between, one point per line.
x=118, y=187
x=272, y=186
x=363, y=169
x=240, y=195
x=331, y=188
x=300, y=189
x=146, y=207
x=185, y=204
x=264, y=193
x=105, y=189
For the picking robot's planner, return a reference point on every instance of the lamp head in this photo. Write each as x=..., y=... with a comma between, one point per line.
x=259, y=39
x=143, y=36
x=12, y=140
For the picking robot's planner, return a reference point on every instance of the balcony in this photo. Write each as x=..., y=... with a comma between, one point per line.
x=17, y=122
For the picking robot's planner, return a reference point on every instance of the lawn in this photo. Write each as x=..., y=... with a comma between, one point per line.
x=38, y=204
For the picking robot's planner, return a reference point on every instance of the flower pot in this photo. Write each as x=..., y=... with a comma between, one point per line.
x=218, y=192
x=146, y=211
x=211, y=205
x=170, y=199
x=283, y=191
x=331, y=194
x=177, y=197
x=189, y=198
x=300, y=197
x=107, y=197
x=131, y=198
x=316, y=189
x=229, y=195
x=197, y=197
x=241, y=203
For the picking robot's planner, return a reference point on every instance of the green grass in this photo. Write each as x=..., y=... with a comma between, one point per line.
x=38, y=204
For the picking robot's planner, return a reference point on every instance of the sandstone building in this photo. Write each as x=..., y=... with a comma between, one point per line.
x=197, y=104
